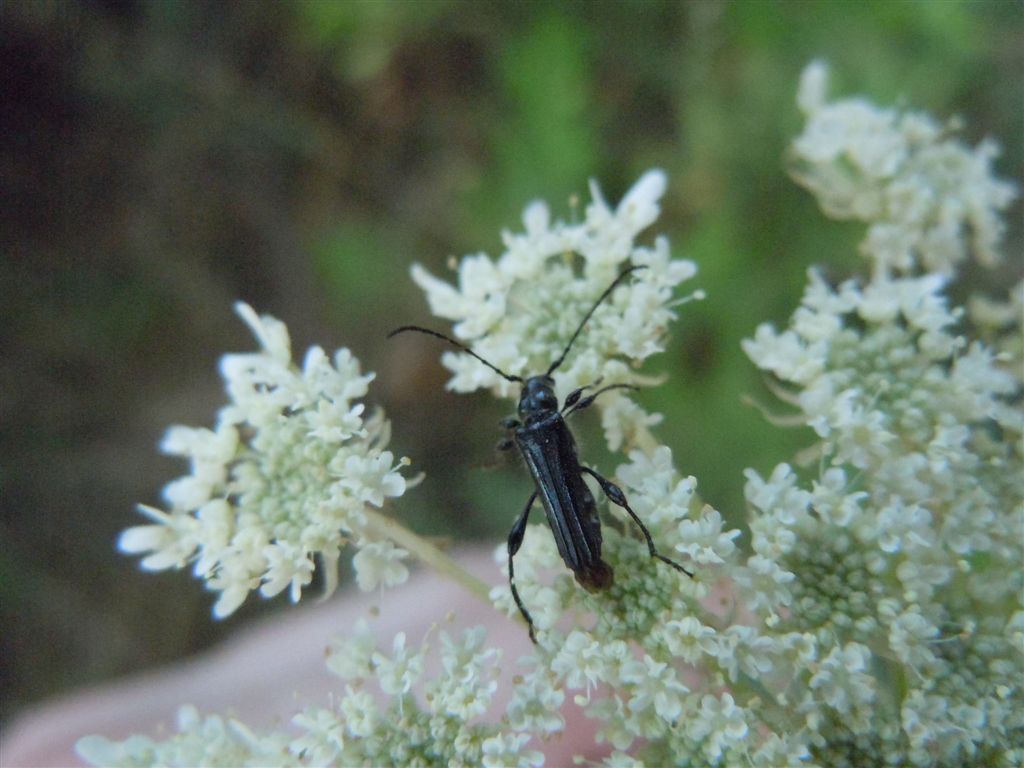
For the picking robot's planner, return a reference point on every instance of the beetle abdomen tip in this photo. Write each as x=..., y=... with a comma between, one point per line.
x=597, y=577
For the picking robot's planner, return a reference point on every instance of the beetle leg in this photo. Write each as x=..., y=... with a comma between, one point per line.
x=617, y=497
x=515, y=540
x=507, y=442
x=587, y=401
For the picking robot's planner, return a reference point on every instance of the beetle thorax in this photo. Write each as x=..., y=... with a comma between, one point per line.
x=538, y=399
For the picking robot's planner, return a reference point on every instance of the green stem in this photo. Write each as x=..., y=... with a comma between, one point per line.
x=427, y=553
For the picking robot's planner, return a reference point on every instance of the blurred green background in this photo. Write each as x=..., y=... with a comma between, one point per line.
x=161, y=160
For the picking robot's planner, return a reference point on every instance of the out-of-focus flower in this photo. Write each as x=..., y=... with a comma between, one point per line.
x=929, y=200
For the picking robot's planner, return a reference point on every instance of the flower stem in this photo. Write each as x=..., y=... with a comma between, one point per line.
x=427, y=553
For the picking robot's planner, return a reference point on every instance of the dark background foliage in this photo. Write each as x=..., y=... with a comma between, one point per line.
x=161, y=160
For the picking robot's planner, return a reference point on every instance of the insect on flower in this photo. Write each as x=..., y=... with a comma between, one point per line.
x=547, y=446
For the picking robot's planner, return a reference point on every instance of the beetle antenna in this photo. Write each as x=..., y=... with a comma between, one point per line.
x=455, y=343
x=607, y=292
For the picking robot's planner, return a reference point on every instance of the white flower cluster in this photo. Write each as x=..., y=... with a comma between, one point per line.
x=212, y=741
x=520, y=311
x=286, y=475
x=878, y=618
x=444, y=725
x=644, y=695
x=387, y=715
x=929, y=200
x=900, y=562
x=587, y=641
x=518, y=314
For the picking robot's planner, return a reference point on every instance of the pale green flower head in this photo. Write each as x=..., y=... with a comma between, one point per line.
x=286, y=476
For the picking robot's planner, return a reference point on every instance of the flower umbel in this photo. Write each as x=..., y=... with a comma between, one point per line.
x=878, y=616
x=393, y=727
x=930, y=201
x=289, y=473
x=520, y=310
x=895, y=570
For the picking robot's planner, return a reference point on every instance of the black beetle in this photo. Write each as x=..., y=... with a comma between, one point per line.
x=549, y=450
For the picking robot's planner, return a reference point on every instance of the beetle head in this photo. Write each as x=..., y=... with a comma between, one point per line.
x=538, y=398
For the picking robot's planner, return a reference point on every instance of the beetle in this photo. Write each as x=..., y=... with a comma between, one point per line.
x=548, y=448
